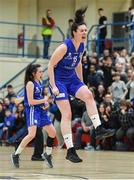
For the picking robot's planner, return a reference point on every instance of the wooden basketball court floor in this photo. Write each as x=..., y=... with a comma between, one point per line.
x=95, y=165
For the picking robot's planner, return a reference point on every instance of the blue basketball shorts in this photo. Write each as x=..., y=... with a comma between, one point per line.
x=37, y=116
x=66, y=88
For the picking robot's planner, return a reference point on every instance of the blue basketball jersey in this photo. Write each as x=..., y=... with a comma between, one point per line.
x=35, y=114
x=38, y=93
x=66, y=78
x=66, y=66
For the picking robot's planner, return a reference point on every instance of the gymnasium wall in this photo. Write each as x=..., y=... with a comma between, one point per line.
x=9, y=67
x=31, y=11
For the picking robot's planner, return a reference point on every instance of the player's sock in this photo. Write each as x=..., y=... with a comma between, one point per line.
x=68, y=140
x=95, y=120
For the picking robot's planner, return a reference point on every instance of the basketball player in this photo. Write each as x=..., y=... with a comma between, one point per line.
x=65, y=74
x=35, y=114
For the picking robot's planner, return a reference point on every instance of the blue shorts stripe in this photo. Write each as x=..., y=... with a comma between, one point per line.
x=32, y=115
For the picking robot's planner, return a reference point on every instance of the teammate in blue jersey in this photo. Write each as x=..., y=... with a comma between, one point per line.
x=36, y=115
x=65, y=74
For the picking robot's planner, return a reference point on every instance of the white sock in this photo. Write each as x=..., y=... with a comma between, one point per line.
x=95, y=120
x=49, y=150
x=19, y=150
x=68, y=140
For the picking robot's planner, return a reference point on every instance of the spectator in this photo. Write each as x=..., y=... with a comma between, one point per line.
x=126, y=120
x=10, y=92
x=105, y=110
x=87, y=128
x=123, y=59
x=85, y=67
x=70, y=22
x=118, y=88
x=20, y=127
x=2, y=115
x=102, y=30
x=100, y=93
x=47, y=31
x=132, y=63
x=92, y=77
x=8, y=123
x=130, y=26
x=107, y=71
x=130, y=86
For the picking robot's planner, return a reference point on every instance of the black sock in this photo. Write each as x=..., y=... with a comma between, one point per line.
x=50, y=141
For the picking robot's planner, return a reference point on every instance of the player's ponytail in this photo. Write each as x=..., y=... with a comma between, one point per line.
x=78, y=19
x=79, y=15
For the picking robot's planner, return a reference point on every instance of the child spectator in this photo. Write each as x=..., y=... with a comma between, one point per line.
x=118, y=88
x=8, y=123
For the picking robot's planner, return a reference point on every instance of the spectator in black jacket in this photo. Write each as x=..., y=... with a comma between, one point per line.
x=10, y=92
x=126, y=119
x=102, y=30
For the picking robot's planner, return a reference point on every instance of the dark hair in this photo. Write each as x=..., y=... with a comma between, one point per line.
x=126, y=103
x=48, y=10
x=78, y=19
x=116, y=74
x=9, y=86
x=130, y=8
x=131, y=59
x=31, y=68
x=70, y=20
x=100, y=9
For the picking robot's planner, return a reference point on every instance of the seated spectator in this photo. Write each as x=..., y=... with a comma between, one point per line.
x=105, y=110
x=86, y=127
x=130, y=86
x=126, y=120
x=12, y=105
x=132, y=62
x=118, y=88
x=10, y=92
x=20, y=128
x=2, y=115
x=77, y=107
x=100, y=93
x=123, y=59
x=123, y=75
x=93, y=77
x=8, y=123
x=6, y=104
x=107, y=69
x=85, y=67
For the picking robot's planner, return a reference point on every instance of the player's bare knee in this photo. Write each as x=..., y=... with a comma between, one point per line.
x=88, y=96
x=67, y=116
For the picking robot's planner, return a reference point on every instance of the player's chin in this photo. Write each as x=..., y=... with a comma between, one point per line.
x=83, y=39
